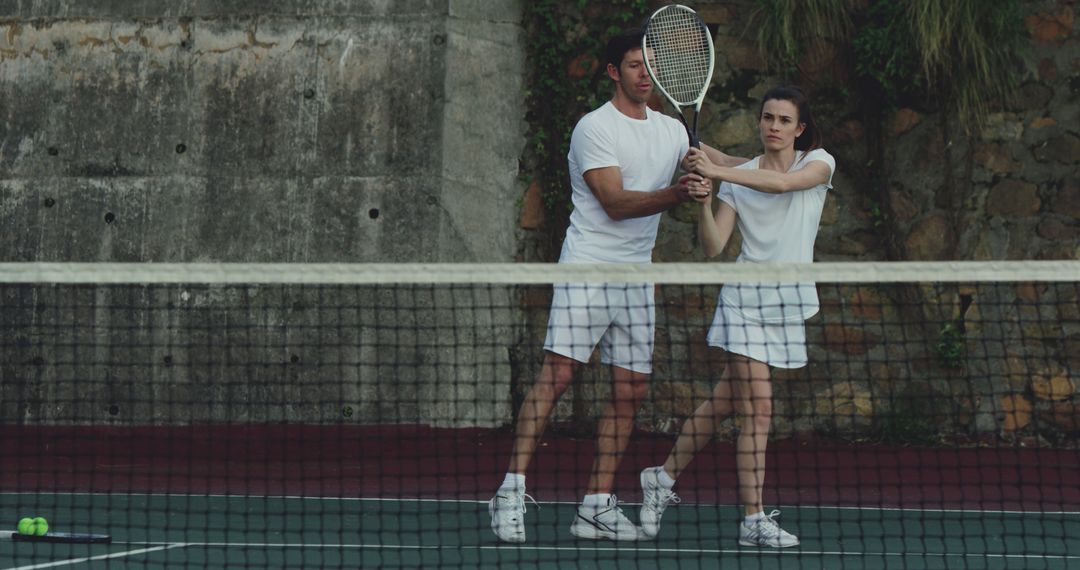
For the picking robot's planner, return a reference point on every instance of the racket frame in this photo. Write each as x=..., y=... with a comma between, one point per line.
x=58, y=537
x=690, y=133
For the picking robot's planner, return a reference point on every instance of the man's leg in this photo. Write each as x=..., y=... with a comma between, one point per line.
x=628, y=389
x=507, y=507
x=599, y=515
x=555, y=376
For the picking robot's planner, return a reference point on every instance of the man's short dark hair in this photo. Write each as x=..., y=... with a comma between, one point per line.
x=618, y=45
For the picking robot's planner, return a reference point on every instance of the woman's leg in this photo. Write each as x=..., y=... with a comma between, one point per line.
x=752, y=389
x=699, y=429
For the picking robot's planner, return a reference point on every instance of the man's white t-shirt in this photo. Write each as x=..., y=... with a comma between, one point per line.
x=647, y=152
x=777, y=228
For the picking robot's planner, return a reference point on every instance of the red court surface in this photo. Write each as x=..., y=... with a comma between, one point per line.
x=468, y=464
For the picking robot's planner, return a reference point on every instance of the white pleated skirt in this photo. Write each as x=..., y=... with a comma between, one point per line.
x=782, y=345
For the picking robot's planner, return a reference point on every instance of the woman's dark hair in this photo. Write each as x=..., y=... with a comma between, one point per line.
x=811, y=135
x=618, y=45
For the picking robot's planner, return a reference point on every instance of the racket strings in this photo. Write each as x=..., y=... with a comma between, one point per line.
x=680, y=54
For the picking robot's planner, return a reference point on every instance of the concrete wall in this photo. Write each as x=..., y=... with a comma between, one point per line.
x=256, y=131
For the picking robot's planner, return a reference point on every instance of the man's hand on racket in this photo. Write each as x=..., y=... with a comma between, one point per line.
x=693, y=187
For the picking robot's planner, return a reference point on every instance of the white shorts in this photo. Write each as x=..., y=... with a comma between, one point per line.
x=782, y=345
x=619, y=316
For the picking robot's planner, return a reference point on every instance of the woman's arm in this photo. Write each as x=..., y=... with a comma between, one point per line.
x=770, y=181
x=721, y=159
x=714, y=231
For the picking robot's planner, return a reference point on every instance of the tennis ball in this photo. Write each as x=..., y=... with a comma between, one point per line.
x=41, y=526
x=26, y=526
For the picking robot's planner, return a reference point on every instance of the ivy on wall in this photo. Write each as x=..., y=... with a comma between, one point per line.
x=961, y=53
x=953, y=58
x=567, y=79
x=956, y=59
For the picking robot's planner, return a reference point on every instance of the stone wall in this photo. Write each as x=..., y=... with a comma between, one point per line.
x=1017, y=198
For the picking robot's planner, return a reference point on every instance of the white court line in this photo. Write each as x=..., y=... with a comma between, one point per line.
x=630, y=549
x=775, y=552
x=124, y=554
x=709, y=506
x=482, y=502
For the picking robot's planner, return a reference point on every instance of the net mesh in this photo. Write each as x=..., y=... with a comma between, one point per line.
x=679, y=53
x=364, y=415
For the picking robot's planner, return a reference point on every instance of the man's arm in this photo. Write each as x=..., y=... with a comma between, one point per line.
x=621, y=204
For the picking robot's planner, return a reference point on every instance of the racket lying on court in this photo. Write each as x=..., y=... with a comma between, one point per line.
x=679, y=57
x=61, y=537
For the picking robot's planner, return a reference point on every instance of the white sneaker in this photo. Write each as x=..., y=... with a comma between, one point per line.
x=765, y=532
x=606, y=522
x=656, y=498
x=507, y=509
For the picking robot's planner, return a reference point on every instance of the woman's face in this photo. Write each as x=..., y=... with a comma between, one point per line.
x=780, y=124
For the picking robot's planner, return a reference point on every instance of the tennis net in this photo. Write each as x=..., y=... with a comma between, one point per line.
x=285, y=415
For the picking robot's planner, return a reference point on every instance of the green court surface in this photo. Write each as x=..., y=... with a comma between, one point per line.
x=189, y=531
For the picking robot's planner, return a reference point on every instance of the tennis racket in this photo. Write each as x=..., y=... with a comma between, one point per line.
x=679, y=57
x=62, y=537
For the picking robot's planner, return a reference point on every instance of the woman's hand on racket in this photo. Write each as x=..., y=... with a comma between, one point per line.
x=698, y=162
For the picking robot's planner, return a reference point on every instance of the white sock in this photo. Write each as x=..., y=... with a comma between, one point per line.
x=664, y=479
x=513, y=482
x=596, y=500
x=751, y=519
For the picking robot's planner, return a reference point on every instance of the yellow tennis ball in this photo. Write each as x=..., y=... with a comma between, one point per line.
x=41, y=526
x=26, y=526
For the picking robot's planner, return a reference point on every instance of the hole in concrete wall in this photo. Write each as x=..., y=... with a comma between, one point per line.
x=110, y=217
x=309, y=93
x=49, y=202
x=114, y=409
x=294, y=359
x=180, y=148
x=438, y=39
x=373, y=213
x=167, y=360
x=53, y=151
x=38, y=361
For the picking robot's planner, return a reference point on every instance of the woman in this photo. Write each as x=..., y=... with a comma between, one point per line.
x=776, y=199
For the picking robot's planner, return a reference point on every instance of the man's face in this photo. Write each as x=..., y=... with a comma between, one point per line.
x=633, y=78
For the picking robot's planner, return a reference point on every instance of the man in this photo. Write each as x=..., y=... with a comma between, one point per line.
x=622, y=158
